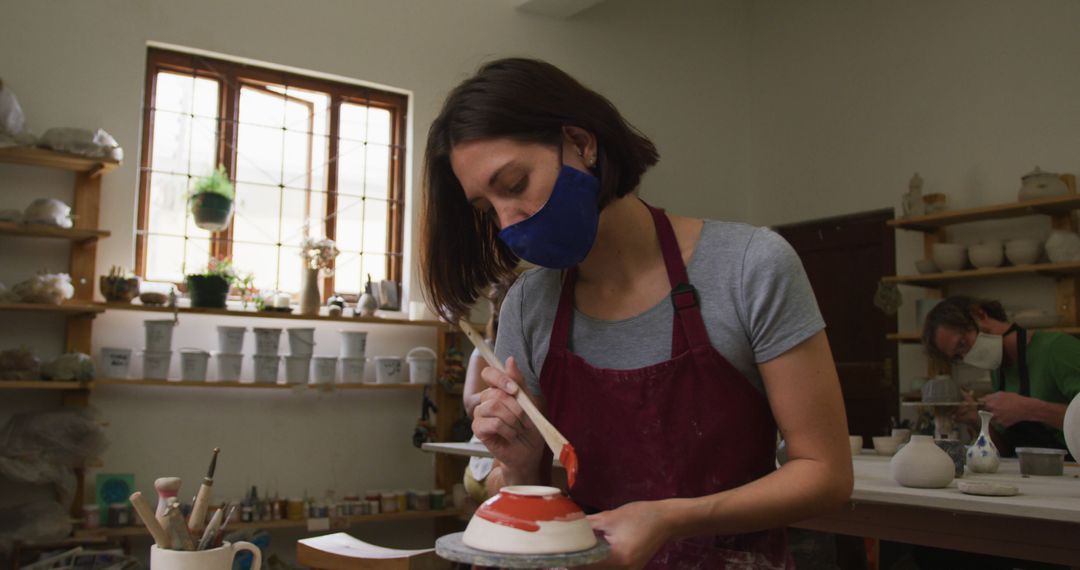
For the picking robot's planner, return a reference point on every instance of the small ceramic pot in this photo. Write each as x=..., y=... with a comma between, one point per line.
x=885, y=444
x=903, y=435
x=957, y=452
x=1041, y=461
x=529, y=520
x=950, y=256
x=1023, y=251
x=1038, y=184
x=119, y=289
x=921, y=464
x=925, y=266
x=856, y=443
x=986, y=255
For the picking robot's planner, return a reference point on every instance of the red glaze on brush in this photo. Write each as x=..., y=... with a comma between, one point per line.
x=526, y=511
x=568, y=458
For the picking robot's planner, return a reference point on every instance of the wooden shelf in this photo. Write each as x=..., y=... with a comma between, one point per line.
x=255, y=386
x=914, y=337
x=939, y=279
x=268, y=315
x=41, y=385
x=285, y=524
x=934, y=222
x=66, y=308
x=33, y=156
x=44, y=231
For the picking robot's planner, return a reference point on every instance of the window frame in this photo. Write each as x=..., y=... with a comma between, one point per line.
x=231, y=77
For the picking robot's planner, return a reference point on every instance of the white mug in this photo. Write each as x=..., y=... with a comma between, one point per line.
x=220, y=558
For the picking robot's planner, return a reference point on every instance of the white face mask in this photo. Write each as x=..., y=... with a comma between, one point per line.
x=986, y=353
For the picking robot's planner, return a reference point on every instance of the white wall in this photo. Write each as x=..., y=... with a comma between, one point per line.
x=678, y=74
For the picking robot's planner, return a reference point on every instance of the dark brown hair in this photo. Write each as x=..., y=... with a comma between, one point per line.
x=956, y=312
x=525, y=100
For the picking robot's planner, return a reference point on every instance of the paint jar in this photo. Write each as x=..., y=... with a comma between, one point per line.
x=295, y=511
x=231, y=339
x=91, y=516
x=410, y=500
x=438, y=500
x=302, y=341
x=352, y=370
x=402, y=501
x=423, y=501
x=115, y=362
x=267, y=340
x=119, y=515
x=159, y=335
x=374, y=507
x=193, y=364
x=372, y=498
x=156, y=364
x=297, y=369
x=353, y=344
x=324, y=369
x=266, y=368
x=228, y=366
x=388, y=502
x=421, y=365
x=388, y=369
x=459, y=496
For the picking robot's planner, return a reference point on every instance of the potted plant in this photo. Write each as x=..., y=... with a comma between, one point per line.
x=119, y=286
x=212, y=201
x=210, y=289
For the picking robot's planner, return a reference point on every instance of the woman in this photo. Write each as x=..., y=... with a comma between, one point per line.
x=667, y=349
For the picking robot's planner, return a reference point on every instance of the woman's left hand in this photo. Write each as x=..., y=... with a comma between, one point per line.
x=635, y=532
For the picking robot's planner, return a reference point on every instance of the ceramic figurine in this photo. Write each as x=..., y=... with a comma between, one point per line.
x=982, y=456
x=923, y=465
x=367, y=304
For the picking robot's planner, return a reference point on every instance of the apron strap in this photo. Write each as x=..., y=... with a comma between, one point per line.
x=564, y=313
x=688, y=330
x=1021, y=364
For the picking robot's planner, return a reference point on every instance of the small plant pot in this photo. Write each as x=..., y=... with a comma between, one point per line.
x=119, y=289
x=212, y=212
x=208, y=291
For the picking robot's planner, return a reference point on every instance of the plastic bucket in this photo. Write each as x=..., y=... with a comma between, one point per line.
x=421, y=365
x=266, y=368
x=352, y=370
x=231, y=339
x=159, y=335
x=389, y=369
x=193, y=364
x=267, y=341
x=229, y=366
x=324, y=369
x=353, y=344
x=115, y=362
x=297, y=369
x=301, y=342
x=156, y=364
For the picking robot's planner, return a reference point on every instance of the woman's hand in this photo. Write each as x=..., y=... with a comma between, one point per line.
x=502, y=426
x=968, y=414
x=635, y=532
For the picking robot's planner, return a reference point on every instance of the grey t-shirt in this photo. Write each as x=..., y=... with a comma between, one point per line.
x=755, y=299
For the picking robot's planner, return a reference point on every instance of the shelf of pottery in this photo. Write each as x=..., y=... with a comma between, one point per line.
x=945, y=263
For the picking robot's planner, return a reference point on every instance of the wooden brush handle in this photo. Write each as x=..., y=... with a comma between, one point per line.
x=552, y=437
x=146, y=513
x=197, y=520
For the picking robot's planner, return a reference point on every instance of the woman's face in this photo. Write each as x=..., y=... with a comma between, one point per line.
x=508, y=179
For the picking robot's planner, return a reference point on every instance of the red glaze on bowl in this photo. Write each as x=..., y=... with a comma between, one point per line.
x=523, y=507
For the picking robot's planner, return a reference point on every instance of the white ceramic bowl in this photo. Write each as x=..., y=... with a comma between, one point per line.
x=1023, y=251
x=1035, y=318
x=886, y=444
x=529, y=519
x=986, y=255
x=925, y=266
x=950, y=256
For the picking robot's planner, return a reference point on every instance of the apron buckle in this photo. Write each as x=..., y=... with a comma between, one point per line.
x=684, y=296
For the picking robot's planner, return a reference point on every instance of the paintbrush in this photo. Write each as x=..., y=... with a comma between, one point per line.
x=202, y=500
x=211, y=530
x=219, y=537
x=555, y=440
x=161, y=538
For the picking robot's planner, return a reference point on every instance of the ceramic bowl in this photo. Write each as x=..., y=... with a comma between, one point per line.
x=885, y=444
x=950, y=256
x=986, y=255
x=1041, y=461
x=1035, y=318
x=529, y=519
x=1062, y=246
x=1023, y=251
x=925, y=266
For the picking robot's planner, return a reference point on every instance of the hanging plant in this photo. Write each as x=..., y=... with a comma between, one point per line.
x=212, y=201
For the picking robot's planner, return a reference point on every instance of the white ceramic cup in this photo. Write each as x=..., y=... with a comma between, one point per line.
x=220, y=558
x=421, y=365
x=159, y=335
x=389, y=369
x=267, y=340
x=229, y=366
x=352, y=370
x=856, y=442
x=231, y=339
x=353, y=344
x=297, y=369
x=324, y=369
x=266, y=368
x=115, y=362
x=193, y=364
x=302, y=341
x=156, y=364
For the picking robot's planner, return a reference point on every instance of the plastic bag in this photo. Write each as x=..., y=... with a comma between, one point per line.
x=63, y=437
x=68, y=367
x=48, y=211
x=19, y=364
x=85, y=142
x=51, y=288
x=43, y=521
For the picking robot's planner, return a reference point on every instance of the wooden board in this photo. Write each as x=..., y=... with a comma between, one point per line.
x=268, y=315
x=933, y=222
x=939, y=279
x=32, y=156
x=41, y=385
x=45, y=231
x=255, y=386
x=66, y=308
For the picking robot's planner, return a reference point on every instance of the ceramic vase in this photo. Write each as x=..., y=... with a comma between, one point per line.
x=982, y=456
x=922, y=464
x=310, y=298
x=1072, y=427
x=366, y=306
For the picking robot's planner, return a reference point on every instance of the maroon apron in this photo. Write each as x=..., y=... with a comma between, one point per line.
x=688, y=427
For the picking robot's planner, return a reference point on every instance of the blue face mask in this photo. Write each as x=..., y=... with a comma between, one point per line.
x=562, y=232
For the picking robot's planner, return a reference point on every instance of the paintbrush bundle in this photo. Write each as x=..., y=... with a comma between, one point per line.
x=167, y=524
